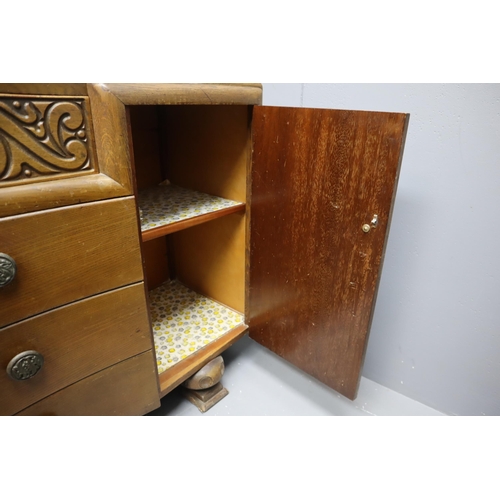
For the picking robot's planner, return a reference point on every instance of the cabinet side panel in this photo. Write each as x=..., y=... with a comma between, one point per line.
x=111, y=137
x=155, y=256
x=210, y=259
x=146, y=146
x=207, y=148
x=318, y=177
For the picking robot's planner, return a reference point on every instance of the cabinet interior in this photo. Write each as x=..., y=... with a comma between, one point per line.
x=191, y=165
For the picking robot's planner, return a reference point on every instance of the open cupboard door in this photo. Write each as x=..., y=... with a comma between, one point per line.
x=322, y=188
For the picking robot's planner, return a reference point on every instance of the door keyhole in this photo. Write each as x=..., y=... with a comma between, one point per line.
x=373, y=224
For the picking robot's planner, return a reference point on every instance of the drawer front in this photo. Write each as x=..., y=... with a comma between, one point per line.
x=128, y=388
x=67, y=254
x=75, y=341
x=61, y=149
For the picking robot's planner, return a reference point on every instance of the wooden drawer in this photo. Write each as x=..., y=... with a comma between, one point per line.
x=67, y=254
x=76, y=341
x=128, y=388
x=61, y=145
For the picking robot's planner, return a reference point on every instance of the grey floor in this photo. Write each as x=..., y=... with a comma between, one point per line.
x=261, y=383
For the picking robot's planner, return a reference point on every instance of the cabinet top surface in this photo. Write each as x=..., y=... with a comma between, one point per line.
x=150, y=93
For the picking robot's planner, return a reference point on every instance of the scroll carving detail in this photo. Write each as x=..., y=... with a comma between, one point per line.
x=41, y=138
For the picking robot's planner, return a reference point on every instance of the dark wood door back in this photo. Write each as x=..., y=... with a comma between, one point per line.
x=319, y=177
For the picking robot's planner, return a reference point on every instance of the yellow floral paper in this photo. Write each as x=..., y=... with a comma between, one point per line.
x=165, y=204
x=184, y=322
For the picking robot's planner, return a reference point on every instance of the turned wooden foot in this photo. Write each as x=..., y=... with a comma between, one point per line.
x=204, y=389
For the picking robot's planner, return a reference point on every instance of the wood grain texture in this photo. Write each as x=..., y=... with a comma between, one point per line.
x=66, y=254
x=186, y=93
x=210, y=259
x=207, y=148
x=111, y=136
x=145, y=144
x=174, y=376
x=76, y=341
x=58, y=193
x=318, y=176
x=128, y=388
x=155, y=259
x=73, y=89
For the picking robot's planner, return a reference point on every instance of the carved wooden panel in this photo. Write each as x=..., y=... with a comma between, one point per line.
x=43, y=139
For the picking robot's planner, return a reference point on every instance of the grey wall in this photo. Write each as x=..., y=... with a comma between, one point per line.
x=436, y=331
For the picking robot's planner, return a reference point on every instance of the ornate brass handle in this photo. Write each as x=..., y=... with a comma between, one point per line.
x=25, y=365
x=8, y=269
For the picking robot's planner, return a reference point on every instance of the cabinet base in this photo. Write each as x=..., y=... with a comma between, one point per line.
x=204, y=399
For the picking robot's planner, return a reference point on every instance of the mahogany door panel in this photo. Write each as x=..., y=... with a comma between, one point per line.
x=323, y=184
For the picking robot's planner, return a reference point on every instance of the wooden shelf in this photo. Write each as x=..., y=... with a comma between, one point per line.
x=173, y=377
x=188, y=329
x=170, y=208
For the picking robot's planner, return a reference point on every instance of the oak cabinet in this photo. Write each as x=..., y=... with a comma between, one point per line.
x=152, y=226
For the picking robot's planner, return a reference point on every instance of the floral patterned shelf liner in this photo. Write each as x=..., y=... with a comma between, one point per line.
x=184, y=322
x=165, y=204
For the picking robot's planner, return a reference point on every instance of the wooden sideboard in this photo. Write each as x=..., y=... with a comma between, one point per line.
x=146, y=228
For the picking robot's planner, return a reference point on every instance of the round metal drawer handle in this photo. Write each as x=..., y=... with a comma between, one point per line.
x=8, y=269
x=25, y=365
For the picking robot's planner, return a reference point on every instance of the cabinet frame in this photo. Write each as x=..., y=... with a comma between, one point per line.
x=175, y=375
